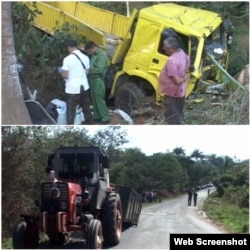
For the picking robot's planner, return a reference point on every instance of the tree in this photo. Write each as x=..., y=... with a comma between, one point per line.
x=179, y=151
x=110, y=139
x=197, y=154
x=130, y=169
x=23, y=167
x=69, y=136
x=13, y=107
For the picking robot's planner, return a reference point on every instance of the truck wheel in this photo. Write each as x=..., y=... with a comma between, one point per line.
x=112, y=219
x=128, y=97
x=95, y=237
x=20, y=237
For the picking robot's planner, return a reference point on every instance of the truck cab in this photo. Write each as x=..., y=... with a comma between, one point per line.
x=199, y=31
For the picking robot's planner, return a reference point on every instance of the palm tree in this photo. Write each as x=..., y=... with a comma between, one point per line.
x=13, y=107
x=179, y=151
x=198, y=155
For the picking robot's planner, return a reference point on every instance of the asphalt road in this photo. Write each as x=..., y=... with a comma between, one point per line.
x=158, y=221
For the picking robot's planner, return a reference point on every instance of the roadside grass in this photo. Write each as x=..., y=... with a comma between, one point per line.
x=234, y=218
x=6, y=243
x=218, y=109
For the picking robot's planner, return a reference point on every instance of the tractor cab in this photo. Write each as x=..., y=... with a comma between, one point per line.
x=74, y=164
x=81, y=167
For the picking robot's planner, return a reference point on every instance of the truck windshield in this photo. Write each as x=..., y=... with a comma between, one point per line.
x=215, y=37
x=76, y=166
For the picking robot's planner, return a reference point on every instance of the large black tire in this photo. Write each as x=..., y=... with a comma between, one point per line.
x=111, y=218
x=128, y=97
x=18, y=235
x=20, y=238
x=95, y=238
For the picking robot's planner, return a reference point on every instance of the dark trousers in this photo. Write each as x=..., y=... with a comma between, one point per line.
x=173, y=109
x=195, y=199
x=83, y=100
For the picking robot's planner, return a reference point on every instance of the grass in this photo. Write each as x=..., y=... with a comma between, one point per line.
x=220, y=110
x=234, y=218
x=6, y=243
x=206, y=109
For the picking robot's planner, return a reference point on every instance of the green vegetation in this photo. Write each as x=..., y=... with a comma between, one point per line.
x=24, y=158
x=232, y=108
x=230, y=204
x=235, y=219
x=7, y=243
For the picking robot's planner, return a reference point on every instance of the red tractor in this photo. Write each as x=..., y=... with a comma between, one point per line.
x=78, y=198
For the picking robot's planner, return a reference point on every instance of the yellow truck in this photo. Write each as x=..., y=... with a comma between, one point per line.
x=138, y=56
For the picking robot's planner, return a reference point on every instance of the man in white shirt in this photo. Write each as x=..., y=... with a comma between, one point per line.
x=74, y=70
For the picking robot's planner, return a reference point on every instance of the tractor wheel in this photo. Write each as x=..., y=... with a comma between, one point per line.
x=21, y=238
x=112, y=219
x=18, y=235
x=95, y=238
x=128, y=97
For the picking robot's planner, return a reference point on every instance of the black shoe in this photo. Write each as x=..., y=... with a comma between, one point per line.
x=87, y=123
x=97, y=120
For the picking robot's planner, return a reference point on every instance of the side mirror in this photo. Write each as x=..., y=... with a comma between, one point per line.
x=228, y=28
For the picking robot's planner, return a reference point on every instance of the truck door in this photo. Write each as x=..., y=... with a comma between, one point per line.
x=160, y=57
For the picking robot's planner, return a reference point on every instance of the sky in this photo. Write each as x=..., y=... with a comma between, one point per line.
x=224, y=140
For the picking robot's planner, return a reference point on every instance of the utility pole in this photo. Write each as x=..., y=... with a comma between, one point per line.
x=128, y=11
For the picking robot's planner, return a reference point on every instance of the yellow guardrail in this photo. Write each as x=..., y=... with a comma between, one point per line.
x=53, y=17
x=106, y=21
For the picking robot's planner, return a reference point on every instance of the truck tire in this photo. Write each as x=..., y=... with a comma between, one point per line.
x=112, y=219
x=95, y=238
x=128, y=97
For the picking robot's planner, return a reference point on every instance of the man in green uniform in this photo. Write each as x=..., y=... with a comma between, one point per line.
x=97, y=71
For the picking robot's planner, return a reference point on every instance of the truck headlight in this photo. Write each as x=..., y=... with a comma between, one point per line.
x=218, y=51
x=54, y=192
x=215, y=49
